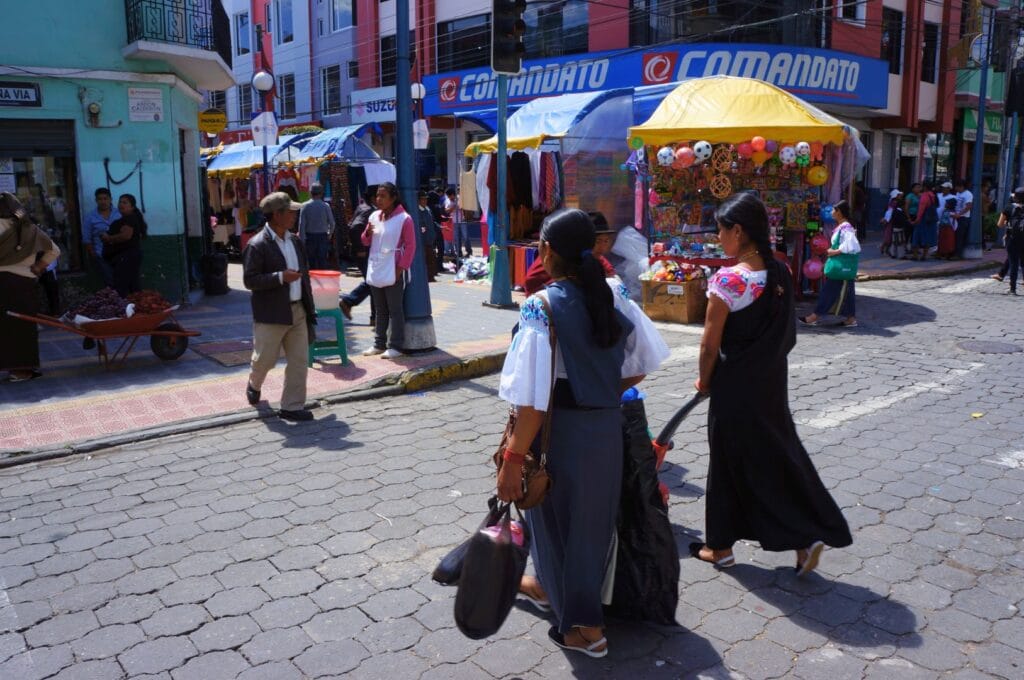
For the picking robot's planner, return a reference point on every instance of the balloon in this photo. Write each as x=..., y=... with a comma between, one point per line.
x=826, y=213
x=684, y=157
x=636, y=143
x=744, y=149
x=812, y=269
x=803, y=149
x=817, y=150
x=817, y=175
x=760, y=157
x=702, y=150
x=771, y=146
x=819, y=244
x=757, y=143
x=652, y=198
x=787, y=155
x=666, y=156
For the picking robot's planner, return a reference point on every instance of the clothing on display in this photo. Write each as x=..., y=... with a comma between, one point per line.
x=287, y=178
x=467, y=191
x=520, y=191
x=341, y=192
x=376, y=173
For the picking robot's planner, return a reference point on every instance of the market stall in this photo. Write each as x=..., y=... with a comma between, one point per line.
x=711, y=137
x=563, y=151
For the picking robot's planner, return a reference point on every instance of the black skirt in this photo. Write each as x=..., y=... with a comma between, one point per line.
x=21, y=338
x=762, y=485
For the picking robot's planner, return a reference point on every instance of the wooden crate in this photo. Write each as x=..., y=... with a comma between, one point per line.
x=679, y=302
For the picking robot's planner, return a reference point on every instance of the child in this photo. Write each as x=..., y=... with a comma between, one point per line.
x=900, y=226
x=947, y=230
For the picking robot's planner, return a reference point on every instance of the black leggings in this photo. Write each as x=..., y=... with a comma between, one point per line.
x=127, y=267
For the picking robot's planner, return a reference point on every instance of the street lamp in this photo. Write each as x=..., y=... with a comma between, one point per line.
x=420, y=133
x=263, y=82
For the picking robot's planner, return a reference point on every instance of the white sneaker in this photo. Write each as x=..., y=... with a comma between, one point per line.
x=370, y=351
x=391, y=354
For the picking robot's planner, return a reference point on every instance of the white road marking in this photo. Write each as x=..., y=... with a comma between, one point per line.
x=840, y=413
x=1014, y=459
x=818, y=362
x=965, y=286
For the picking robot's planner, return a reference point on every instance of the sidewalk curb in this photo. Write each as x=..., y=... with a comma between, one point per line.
x=942, y=273
x=391, y=385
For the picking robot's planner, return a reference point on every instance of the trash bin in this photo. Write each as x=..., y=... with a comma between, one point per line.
x=215, y=274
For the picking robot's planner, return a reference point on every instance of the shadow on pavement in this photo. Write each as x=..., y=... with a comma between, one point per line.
x=673, y=475
x=875, y=316
x=844, y=613
x=636, y=650
x=325, y=431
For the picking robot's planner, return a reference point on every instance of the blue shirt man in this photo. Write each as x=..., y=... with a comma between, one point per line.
x=98, y=222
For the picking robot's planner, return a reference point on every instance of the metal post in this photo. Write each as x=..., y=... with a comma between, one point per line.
x=973, y=248
x=501, y=281
x=419, y=324
x=266, y=172
x=1009, y=181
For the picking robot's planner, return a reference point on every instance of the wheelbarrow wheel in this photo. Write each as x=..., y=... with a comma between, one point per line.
x=168, y=347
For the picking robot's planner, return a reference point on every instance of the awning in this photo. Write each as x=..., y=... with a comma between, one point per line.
x=546, y=118
x=340, y=142
x=485, y=118
x=730, y=110
x=241, y=157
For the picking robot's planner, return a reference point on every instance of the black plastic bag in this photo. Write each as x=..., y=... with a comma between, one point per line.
x=450, y=567
x=491, y=571
x=647, y=562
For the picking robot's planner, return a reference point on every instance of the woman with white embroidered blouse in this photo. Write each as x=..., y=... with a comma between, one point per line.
x=838, y=295
x=604, y=345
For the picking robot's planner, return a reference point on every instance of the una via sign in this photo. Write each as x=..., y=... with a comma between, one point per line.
x=20, y=94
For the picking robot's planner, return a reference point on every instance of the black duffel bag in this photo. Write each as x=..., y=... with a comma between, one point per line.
x=450, y=567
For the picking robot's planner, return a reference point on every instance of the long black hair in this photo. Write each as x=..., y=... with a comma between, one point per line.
x=570, y=234
x=749, y=212
x=843, y=206
x=136, y=221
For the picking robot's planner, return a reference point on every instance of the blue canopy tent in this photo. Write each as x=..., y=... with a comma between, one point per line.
x=341, y=143
x=237, y=160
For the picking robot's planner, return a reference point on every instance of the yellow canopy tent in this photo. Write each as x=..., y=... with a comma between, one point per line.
x=730, y=110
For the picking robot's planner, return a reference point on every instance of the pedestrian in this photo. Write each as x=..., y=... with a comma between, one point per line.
x=925, y=224
x=599, y=353
x=886, y=222
x=1013, y=219
x=910, y=207
x=360, y=253
x=899, y=225
x=316, y=226
x=604, y=238
x=428, y=232
x=275, y=269
x=964, y=203
x=838, y=296
x=761, y=484
x=98, y=222
x=391, y=238
x=240, y=217
x=25, y=253
x=946, y=247
x=122, y=246
x=463, y=244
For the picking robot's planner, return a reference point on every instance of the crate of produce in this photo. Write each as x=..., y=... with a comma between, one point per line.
x=676, y=301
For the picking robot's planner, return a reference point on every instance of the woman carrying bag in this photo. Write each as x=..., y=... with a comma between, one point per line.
x=837, y=296
x=598, y=353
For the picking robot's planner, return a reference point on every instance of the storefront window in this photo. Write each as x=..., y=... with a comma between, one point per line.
x=789, y=22
x=555, y=28
x=389, y=57
x=464, y=43
x=48, y=188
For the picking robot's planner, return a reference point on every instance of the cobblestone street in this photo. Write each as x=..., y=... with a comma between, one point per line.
x=277, y=551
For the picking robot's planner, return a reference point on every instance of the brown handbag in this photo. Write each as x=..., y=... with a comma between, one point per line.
x=536, y=480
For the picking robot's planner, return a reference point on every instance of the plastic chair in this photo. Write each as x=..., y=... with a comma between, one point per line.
x=330, y=348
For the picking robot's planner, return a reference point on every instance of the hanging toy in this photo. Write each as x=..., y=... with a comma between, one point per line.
x=744, y=149
x=819, y=244
x=817, y=151
x=721, y=159
x=760, y=157
x=721, y=186
x=826, y=213
x=813, y=269
x=803, y=161
x=787, y=155
x=757, y=143
x=666, y=156
x=817, y=176
x=803, y=150
x=653, y=199
x=771, y=146
x=636, y=143
x=684, y=157
x=702, y=150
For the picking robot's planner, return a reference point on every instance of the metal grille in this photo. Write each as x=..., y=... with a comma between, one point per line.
x=182, y=22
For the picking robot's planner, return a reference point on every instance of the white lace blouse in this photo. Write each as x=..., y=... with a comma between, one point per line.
x=526, y=375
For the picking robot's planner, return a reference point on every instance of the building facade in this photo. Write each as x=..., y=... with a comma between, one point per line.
x=115, y=106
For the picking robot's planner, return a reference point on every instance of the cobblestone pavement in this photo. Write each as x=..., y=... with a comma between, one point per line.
x=274, y=551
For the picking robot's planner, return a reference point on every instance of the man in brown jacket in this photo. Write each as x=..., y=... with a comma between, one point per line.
x=275, y=269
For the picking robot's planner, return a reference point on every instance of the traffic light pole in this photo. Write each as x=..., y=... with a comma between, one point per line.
x=501, y=282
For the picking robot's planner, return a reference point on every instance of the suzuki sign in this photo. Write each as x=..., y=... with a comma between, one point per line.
x=817, y=75
x=375, y=105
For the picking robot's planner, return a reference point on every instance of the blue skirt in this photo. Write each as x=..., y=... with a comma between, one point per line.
x=926, y=235
x=572, y=529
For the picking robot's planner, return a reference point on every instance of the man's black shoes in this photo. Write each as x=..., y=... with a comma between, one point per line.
x=302, y=415
x=252, y=395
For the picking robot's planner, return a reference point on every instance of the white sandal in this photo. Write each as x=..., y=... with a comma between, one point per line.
x=811, y=560
x=590, y=650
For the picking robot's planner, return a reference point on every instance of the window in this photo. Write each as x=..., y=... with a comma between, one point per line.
x=792, y=22
x=342, y=15
x=892, y=39
x=330, y=90
x=242, y=37
x=244, y=104
x=556, y=28
x=286, y=94
x=285, y=26
x=852, y=10
x=464, y=43
x=930, y=58
x=389, y=57
x=217, y=99
x=353, y=69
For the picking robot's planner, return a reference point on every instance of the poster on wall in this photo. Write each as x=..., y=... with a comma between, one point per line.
x=145, y=105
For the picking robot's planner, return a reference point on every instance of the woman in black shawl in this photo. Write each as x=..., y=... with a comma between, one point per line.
x=122, y=246
x=761, y=483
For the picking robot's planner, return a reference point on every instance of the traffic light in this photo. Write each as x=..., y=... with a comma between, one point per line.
x=507, y=28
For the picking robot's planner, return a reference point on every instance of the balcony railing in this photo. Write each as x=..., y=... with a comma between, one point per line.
x=189, y=23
